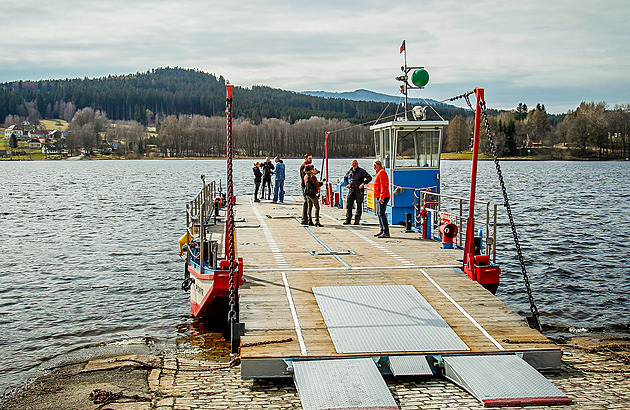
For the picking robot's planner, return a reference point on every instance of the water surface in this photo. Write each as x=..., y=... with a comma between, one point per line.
x=89, y=250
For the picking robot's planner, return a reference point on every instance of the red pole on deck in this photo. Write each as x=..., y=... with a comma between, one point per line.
x=469, y=249
x=327, y=157
x=329, y=195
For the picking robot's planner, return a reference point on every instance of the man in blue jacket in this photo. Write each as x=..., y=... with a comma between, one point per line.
x=278, y=189
x=356, y=179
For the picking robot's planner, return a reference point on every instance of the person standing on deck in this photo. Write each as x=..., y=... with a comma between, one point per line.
x=311, y=185
x=278, y=188
x=355, y=179
x=257, y=180
x=267, y=170
x=381, y=194
x=308, y=158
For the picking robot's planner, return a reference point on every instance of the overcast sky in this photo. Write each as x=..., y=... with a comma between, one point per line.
x=556, y=52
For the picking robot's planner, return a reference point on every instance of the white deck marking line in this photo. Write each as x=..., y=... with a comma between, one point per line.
x=370, y=241
x=277, y=253
x=353, y=268
x=296, y=321
x=461, y=309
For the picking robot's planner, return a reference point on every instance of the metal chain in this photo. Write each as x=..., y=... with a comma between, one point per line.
x=506, y=203
x=230, y=214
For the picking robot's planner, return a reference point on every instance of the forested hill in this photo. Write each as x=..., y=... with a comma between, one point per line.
x=171, y=91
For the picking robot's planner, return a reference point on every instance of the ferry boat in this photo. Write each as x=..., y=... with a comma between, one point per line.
x=336, y=309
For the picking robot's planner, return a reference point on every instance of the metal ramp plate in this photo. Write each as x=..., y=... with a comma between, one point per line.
x=413, y=365
x=391, y=318
x=502, y=380
x=341, y=384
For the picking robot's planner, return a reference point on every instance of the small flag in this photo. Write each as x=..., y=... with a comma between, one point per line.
x=402, y=46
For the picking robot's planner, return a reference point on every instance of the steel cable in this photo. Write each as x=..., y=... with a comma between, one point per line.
x=535, y=320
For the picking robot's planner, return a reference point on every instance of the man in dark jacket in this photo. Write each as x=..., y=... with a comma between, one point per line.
x=267, y=171
x=355, y=179
x=308, y=158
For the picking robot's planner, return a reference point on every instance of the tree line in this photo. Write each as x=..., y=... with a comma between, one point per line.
x=158, y=93
x=591, y=131
x=200, y=136
x=185, y=109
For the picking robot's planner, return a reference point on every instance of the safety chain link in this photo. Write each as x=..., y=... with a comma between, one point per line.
x=506, y=203
x=178, y=368
x=529, y=342
x=230, y=213
x=267, y=342
x=105, y=397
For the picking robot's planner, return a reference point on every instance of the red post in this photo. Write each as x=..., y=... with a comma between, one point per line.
x=329, y=194
x=469, y=249
x=326, y=155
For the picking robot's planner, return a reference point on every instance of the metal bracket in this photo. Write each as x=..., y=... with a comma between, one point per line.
x=333, y=253
x=238, y=330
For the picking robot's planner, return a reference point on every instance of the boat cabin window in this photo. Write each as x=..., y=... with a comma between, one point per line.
x=418, y=148
x=377, y=144
x=386, y=148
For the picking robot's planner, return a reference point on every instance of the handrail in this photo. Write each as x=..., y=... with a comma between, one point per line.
x=430, y=199
x=198, y=212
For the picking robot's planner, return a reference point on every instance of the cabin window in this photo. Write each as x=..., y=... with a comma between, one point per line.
x=377, y=143
x=418, y=148
x=386, y=148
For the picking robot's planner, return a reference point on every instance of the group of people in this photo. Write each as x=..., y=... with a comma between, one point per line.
x=263, y=173
x=355, y=179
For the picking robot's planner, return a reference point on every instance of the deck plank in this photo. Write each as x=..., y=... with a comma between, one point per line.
x=265, y=309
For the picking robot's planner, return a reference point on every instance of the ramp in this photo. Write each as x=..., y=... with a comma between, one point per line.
x=388, y=318
x=502, y=380
x=412, y=365
x=341, y=384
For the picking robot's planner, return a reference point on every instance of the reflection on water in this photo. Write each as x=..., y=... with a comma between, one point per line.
x=90, y=259
x=203, y=338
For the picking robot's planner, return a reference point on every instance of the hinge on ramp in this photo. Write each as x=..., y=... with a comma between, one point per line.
x=341, y=384
x=502, y=380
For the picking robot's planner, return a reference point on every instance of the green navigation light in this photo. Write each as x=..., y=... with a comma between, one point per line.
x=420, y=77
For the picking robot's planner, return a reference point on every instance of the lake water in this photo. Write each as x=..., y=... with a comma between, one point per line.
x=89, y=250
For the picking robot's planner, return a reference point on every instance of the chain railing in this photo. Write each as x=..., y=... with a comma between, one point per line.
x=231, y=251
x=534, y=320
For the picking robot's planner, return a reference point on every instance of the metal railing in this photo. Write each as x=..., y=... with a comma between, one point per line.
x=198, y=214
x=455, y=209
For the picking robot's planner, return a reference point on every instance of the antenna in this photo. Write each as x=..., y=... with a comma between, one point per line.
x=419, y=78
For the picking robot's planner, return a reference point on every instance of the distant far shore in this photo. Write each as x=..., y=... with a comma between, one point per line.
x=556, y=153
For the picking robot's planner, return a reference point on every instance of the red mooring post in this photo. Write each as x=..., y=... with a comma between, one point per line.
x=469, y=249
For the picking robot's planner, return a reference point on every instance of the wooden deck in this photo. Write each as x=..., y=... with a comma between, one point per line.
x=277, y=258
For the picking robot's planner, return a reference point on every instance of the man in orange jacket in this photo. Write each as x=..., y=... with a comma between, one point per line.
x=381, y=194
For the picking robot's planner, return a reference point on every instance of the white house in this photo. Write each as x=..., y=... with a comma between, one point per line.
x=14, y=129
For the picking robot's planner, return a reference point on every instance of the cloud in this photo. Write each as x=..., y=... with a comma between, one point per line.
x=563, y=51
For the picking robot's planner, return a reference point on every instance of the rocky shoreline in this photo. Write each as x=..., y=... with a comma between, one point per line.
x=594, y=374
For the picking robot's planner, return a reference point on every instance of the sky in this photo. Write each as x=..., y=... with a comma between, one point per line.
x=557, y=53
